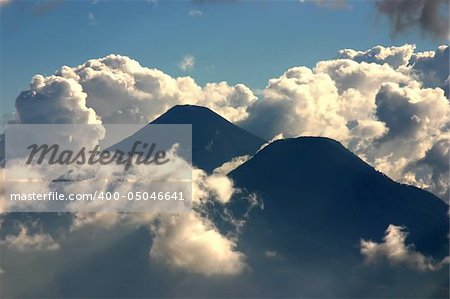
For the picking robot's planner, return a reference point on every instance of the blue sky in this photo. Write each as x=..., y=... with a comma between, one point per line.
x=240, y=42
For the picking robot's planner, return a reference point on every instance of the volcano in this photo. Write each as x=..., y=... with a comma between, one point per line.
x=215, y=140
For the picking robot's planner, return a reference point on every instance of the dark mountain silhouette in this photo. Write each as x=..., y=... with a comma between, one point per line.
x=319, y=201
x=214, y=139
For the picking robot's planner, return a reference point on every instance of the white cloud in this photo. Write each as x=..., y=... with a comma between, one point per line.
x=229, y=166
x=394, y=56
x=187, y=63
x=216, y=186
x=430, y=16
x=189, y=242
x=117, y=89
x=54, y=99
x=394, y=250
x=195, y=13
x=432, y=67
x=25, y=241
x=275, y=138
x=186, y=241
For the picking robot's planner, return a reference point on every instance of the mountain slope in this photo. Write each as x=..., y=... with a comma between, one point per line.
x=319, y=201
x=318, y=184
x=214, y=139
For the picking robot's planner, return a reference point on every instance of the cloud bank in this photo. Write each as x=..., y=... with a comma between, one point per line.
x=120, y=90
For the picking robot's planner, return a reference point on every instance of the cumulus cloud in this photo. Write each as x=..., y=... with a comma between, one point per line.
x=216, y=186
x=24, y=241
x=188, y=242
x=120, y=90
x=394, y=250
x=394, y=56
x=187, y=63
x=54, y=100
x=431, y=67
x=435, y=165
x=430, y=16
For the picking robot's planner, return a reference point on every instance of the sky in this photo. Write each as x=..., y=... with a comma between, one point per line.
x=247, y=42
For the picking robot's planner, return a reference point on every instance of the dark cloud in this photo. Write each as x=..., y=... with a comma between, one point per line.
x=397, y=112
x=433, y=68
x=431, y=16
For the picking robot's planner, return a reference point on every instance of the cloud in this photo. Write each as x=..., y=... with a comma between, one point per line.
x=229, y=166
x=188, y=242
x=195, y=13
x=320, y=101
x=386, y=104
x=187, y=63
x=394, y=250
x=432, y=68
x=54, y=100
x=435, y=164
x=394, y=56
x=117, y=89
x=92, y=20
x=271, y=254
x=24, y=241
x=430, y=16
x=4, y=2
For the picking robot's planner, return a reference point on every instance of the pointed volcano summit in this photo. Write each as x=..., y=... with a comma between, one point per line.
x=215, y=140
